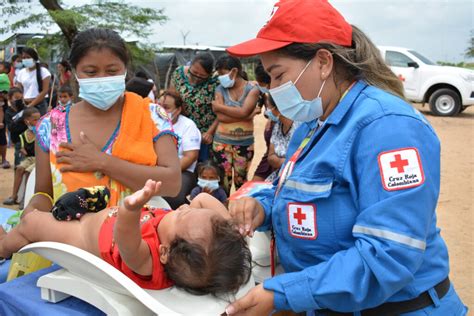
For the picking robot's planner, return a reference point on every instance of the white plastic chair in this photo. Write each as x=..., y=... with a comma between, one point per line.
x=93, y=280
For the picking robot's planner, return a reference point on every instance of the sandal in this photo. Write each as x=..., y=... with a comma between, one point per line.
x=6, y=165
x=10, y=201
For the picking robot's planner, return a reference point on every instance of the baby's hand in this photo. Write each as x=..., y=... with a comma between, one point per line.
x=136, y=201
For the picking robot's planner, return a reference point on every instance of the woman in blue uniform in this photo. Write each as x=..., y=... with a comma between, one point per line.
x=353, y=210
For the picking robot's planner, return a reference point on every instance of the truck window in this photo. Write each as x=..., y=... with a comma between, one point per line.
x=396, y=59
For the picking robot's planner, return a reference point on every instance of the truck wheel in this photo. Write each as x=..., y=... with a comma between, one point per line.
x=445, y=102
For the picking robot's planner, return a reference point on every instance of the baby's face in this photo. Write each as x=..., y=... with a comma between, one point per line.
x=191, y=224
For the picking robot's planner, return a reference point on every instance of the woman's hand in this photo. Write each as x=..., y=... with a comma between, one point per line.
x=207, y=138
x=247, y=213
x=85, y=157
x=258, y=301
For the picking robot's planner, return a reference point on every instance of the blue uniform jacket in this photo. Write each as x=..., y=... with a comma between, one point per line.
x=355, y=222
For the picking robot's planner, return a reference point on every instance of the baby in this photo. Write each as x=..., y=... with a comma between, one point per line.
x=195, y=247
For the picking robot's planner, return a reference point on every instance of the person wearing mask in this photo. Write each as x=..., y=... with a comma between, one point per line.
x=34, y=80
x=354, y=208
x=282, y=133
x=27, y=149
x=64, y=73
x=16, y=66
x=264, y=169
x=234, y=105
x=14, y=122
x=188, y=148
x=196, y=85
x=65, y=96
x=110, y=138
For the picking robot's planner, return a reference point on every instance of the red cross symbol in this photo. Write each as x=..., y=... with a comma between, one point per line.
x=399, y=163
x=299, y=216
x=400, y=76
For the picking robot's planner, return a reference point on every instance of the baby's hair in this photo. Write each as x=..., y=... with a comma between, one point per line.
x=66, y=89
x=7, y=66
x=28, y=112
x=223, y=269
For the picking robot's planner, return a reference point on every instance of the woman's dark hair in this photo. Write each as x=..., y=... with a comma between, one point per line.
x=178, y=102
x=140, y=86
x=361, y=61
x=224, y=268
x=98, y=38
x=261, y=75
x=206, y=60
x=15, y=58
x=228, y=62
x=65, y=64
x=141, y=74
x=34, y=54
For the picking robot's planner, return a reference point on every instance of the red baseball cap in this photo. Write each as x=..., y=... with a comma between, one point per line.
x=297, y=21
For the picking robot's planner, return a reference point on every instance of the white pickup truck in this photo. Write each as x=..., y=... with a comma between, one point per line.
x=448, y=90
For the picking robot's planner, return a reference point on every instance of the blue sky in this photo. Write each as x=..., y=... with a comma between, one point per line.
x=439, y=29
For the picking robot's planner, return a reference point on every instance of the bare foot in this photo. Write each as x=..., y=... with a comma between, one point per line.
x=136, y=201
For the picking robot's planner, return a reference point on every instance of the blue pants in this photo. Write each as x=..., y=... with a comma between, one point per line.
x=450, y=305
x=204, y=152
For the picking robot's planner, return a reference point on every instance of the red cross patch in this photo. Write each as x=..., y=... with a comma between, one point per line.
x=401, y=169
x=302, y=220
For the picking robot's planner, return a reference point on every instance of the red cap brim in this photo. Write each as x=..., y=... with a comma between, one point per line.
x=255, y=46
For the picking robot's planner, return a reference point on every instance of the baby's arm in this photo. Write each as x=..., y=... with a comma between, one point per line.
x=205, y=200
x=127, y=233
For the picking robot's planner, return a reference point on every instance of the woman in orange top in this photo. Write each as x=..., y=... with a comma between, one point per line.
x=109, y=138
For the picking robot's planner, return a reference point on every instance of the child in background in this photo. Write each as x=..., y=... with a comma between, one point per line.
x=65, y=96
x=4, y=87
x=27, y=140
x=195, y=247
x=14, y=121
x=208, y=182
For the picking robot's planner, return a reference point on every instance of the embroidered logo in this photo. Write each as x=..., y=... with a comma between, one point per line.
x=401, y=169
x=302, y=220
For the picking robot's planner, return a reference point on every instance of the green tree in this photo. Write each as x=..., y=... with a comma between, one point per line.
x=129, y=20
x=470, y=49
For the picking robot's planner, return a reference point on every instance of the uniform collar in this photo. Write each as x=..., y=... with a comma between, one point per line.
x=343, y=107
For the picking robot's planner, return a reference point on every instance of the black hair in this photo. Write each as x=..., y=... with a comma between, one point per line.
x=98, y=38
x=65, y=64
x=209, y=164
x=178, y=102
x=140, y=86
x=66, y=89
x=224, y=268
x=14, y=90
x=29, y=111
x=7, y=66
x=206, y=60
x=34, y=54
x=15, y=57
x=228, y=62
x=261, y=75
x=141, y=74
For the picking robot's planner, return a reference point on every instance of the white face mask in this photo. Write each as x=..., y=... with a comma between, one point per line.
x=291, y=104
x=102, y=92
x=226, y=82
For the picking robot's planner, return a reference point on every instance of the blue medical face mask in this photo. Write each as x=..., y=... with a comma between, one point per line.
x=210, y=184
x=28, y=62
x=68, y=103
x=102, y=92
x=271, y=116
x=226, y=82
x=18, y=65
x=291, y=104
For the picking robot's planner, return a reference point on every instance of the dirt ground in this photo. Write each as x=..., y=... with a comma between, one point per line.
x=456, y=201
